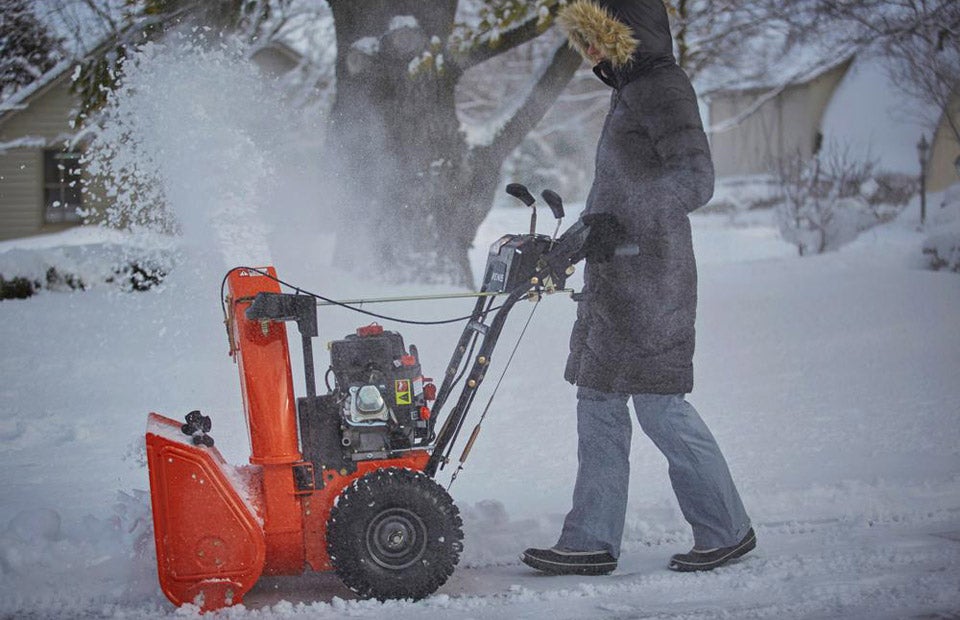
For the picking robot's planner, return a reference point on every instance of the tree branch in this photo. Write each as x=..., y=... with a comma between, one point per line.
x=515, y=37
x=104, y=14
x=545, y=91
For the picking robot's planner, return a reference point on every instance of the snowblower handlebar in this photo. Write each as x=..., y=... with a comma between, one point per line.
x=517, y=266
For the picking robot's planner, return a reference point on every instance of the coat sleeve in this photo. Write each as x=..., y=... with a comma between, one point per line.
x=672, y=118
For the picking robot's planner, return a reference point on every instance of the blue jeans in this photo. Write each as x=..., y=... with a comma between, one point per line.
x=699, y=474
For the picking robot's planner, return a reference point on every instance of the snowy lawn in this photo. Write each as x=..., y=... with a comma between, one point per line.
x=832, y=384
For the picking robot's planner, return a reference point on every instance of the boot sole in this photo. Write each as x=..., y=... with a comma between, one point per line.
x=562, y=568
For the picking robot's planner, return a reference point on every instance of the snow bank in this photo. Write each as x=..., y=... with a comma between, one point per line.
x=103, y=563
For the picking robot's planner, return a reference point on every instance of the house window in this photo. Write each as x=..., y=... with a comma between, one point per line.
x=62, y=199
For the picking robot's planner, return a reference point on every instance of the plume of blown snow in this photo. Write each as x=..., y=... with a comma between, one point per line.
x=198, y=141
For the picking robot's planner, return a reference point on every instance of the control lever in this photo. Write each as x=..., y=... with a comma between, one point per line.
x=555, y=202
x=521, y=193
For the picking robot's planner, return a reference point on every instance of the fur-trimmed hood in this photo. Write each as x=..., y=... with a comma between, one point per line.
x=624, y=31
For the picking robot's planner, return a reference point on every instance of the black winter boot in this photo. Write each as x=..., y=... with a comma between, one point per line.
x=559, y=562
x=711, y=559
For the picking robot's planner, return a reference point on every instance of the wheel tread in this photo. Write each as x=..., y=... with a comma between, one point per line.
x=388, y=488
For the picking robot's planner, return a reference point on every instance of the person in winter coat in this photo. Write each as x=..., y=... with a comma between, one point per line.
x=634, y=334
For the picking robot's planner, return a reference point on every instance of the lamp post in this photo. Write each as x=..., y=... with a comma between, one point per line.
x=923, y=150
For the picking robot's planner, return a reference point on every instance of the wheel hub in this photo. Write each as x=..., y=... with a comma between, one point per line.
x=396, y=538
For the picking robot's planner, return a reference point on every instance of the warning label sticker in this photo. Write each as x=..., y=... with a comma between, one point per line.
x=260, y=271
x=402, y=389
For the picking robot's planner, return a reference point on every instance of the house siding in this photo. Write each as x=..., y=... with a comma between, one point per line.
x=21, y=169
x=47, y=116
x=21, y=193
x=786, y=124
x=942, y=172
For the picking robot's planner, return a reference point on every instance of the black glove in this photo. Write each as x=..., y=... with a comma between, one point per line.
x=605, y=235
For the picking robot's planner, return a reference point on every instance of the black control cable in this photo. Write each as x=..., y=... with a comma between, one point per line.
x=300, y=291
x=483, y=415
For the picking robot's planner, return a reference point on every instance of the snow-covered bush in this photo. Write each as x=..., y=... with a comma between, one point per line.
x=827, y=200
x=84, y=258
x=890, y=191
x=743, y=193
x=943, y=250
x=17, y=287
x=137, y=275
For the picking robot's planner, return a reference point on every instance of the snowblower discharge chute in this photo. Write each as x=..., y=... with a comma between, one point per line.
x=340, y=481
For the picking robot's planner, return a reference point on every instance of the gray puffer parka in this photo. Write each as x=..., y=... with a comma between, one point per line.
x=635, y=325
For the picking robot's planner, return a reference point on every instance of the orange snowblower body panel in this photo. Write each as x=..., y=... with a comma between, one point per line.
x=219, y=527
x=210, y=545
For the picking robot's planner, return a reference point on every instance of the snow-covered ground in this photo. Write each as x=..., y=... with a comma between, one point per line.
x=831, y=383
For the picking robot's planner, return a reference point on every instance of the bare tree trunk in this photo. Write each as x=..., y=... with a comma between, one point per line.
x=410, y=190
x=393, y=137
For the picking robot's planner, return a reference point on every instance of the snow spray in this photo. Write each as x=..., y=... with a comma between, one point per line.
x=195, y=139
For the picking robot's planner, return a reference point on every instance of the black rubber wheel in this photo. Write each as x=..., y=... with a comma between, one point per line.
x=394, y=534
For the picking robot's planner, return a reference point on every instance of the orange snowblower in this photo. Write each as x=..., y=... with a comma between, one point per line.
x=341, y=481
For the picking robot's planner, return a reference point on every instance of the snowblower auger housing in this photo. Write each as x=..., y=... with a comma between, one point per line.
x=338, y=481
